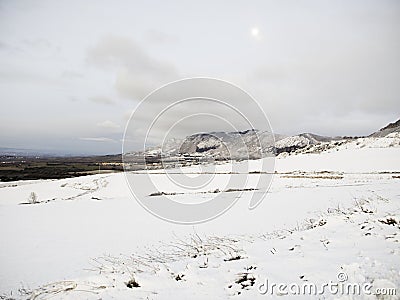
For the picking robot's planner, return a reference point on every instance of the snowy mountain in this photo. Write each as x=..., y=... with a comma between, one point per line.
x=386, y=137
x=254, y=144
x=304, y=141
x=291, y=143
x=235, y=145
x=392, y=127
x=248, y=144
x=312, y=143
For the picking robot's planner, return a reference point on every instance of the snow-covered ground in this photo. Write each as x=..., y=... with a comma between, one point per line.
x=328, y=215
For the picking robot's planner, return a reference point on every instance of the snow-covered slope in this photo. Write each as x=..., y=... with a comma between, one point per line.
x=291, y=143
x=325, y=214
x=390, y=128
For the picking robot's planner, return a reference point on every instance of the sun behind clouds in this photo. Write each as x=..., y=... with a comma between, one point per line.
x=255, y=33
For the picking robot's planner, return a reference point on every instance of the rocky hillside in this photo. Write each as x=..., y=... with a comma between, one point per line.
x=388, y=136
x=253, y=144
x=250, y=144
x=293, y=143
x=392, y=127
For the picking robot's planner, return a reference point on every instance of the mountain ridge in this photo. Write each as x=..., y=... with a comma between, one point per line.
x=391, y=127
x=253, y=144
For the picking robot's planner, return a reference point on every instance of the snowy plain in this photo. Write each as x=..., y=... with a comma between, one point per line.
x=325, y=214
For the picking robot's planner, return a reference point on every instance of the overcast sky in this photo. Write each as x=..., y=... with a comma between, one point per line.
x=71, y=72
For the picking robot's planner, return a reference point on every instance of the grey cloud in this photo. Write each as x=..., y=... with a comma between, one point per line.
x=3, y=45
x=98, y=139
x=334, y=87
x=329, y=67
x=73, y=98
x=158, y=37
x=108, y=124
x=70, y=74
x=23, y=75
x=10, y=48
x=137, y=73
x=38, y=42
x=102, y=100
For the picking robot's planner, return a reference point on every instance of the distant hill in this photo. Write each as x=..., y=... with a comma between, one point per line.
x=248, y=144
x=235, y=145
x=293, y=143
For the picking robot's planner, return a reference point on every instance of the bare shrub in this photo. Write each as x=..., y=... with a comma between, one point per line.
x=33, y=198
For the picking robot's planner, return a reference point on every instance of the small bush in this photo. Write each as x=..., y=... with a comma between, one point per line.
x=33, y=198
x=132, y=284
